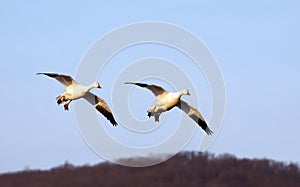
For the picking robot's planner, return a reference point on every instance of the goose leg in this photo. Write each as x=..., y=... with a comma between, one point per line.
x=66, y=106
x=60, y=99
x=150, y=112
x=156, y=117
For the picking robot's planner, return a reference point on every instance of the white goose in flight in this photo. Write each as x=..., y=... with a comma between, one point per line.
x=76, y=91
x=168, y=100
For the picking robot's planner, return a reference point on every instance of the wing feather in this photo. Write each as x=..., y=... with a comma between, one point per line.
x=195, y=115
x=66, y=80
x=156, y=90
x=101, y=106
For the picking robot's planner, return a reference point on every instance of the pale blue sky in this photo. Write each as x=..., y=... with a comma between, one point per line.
x=256, y=44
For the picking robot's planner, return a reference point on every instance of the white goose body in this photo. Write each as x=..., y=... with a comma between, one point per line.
x=168, y=100
x=76, y=91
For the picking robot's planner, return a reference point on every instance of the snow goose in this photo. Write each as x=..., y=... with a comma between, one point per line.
x=168, y=100
x=76, y=91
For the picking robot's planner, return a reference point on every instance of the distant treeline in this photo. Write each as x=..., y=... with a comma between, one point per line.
x=185, y=169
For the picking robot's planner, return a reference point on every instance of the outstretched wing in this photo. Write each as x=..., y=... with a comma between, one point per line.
x=195, y=115
x=101, y=106
x=156, y=90
x=66, y=80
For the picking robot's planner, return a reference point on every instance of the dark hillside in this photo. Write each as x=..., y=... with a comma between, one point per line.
x=185, y=169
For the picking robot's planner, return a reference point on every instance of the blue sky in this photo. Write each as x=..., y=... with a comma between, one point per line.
x=256, y=44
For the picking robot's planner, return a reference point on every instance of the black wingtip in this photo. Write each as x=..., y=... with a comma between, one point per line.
x=208, y=131
x=137, y=84
x=53, y=75
x=113, y=122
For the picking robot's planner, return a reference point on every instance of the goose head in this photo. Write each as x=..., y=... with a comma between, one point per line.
x=184, y=92
x=97, y=85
